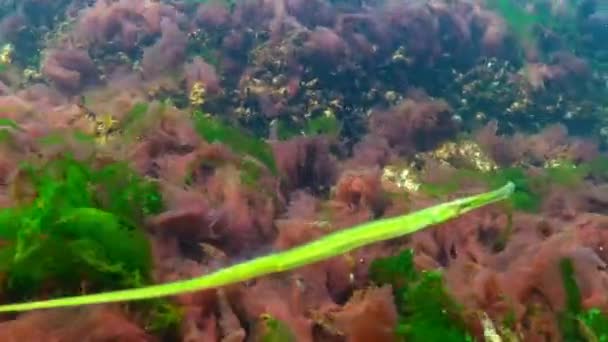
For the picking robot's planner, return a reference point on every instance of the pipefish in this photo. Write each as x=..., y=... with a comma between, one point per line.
x=331, y=245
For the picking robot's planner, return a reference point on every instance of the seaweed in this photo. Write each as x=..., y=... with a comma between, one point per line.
x=274, y=330
x=225, y=3
x=518, y=19
x=4, y=122
x=527, y=195
x=577, y=324
x=323, y=125
x=594, y=325
x=326, y=124
x=334, y=244
x=598, y=169
x=7, y=126
x=440, y=189
x=80, y=231
x=568, y=319
x=526, y=25
x=213, y=130
x=136, y=114
x=161, y=317
x=529, y=189
x=426, y=310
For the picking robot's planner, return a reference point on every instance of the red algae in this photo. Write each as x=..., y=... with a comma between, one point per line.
x=100, y=324
x=400, y=79
x=166, y=52
x=69, y=69
x=414, y=124
x=370, y=315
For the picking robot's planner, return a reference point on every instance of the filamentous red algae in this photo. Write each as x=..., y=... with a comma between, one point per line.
x=368, y=110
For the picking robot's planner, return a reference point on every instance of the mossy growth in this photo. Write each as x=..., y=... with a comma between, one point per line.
x=426, y=310
x=77, y=228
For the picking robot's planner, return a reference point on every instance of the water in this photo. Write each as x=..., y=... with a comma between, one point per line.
x=146, y=141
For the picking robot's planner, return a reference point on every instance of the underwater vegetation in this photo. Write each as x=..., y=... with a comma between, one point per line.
x=427, y=312
x=338, y=243
x=530, y=189
x=262, y=170
x=93, y=237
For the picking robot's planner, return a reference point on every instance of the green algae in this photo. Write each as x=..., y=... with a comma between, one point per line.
x=529, y=189
x=81, y=231
x=594, y=325
x=133, y=116
x=519, y=20
x=7, y=126
x=274, y=330
x=225, y=3
x=598, y=169
x=214, y=130
x=568, y=318
x=428, y=313
x=327, y=125
x=323, y=125
x=526, y=197
x=577, y=324
x=528, y=25
x=4, y=123
x=337, y=243
x=426, y=310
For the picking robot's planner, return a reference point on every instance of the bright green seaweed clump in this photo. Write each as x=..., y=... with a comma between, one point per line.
x=78, y=231
x=426, y=310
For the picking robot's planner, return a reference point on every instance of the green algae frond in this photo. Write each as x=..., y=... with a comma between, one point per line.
x=77, y=228
x=332, y=245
